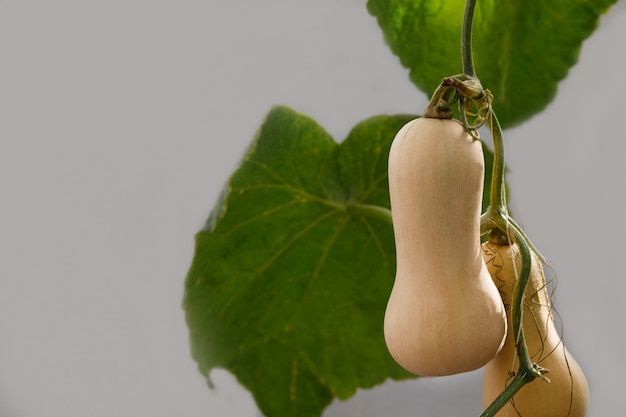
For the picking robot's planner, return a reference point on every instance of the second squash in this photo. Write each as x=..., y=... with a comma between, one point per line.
x=567, y=393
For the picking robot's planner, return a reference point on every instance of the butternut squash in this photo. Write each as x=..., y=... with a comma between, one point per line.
x=567, y=393
x=444, y=315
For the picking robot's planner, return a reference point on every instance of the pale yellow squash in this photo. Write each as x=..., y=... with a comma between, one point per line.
x=444, y=315
x=567, y=393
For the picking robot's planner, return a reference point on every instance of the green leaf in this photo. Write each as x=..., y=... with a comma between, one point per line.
x=521, y=48
x=289, y=282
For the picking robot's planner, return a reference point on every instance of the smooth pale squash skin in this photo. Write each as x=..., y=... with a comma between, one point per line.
x=445, y=315
x=567, y=394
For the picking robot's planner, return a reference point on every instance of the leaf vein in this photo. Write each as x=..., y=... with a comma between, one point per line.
x=375, y=183
x=377, y=242
x=299, y=192
x=273, y=259
x=253, y=219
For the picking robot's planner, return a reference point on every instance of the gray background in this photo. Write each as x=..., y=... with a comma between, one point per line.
x=121, y=120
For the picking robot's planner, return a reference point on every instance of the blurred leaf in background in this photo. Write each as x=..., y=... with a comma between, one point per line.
x=522, y=49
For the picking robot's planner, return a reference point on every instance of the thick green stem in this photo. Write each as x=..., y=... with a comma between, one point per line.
x=505, y=396
x=466, y=39
x=517, y=305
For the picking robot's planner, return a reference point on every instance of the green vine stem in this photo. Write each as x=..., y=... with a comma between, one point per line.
x=496, y=220
x=466, y=39
x=497, y=214
x=501, y=400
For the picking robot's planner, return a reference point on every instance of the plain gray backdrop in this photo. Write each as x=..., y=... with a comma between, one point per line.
x=120, y=121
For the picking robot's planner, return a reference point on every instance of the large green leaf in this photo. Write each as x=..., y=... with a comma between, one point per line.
x=522, y=48
x=288, y=287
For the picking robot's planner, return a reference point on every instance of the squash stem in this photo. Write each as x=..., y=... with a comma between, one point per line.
x=440, y=102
